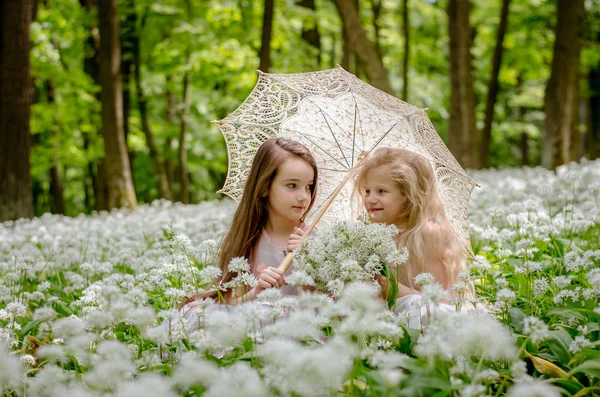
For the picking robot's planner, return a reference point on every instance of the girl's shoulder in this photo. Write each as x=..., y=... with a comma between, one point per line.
x=437, y=228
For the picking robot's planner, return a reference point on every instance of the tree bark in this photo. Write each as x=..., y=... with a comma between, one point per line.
x=524, y=139
x=15, y=104
x=183, y=119
x=561, y=92
x=171, y=116
x=462, y=133
x=127, y=26
x=377, y=7
x=158, y=164
x=593, y=114
x=57, y=202
x=183, y=173
x=311, y=34
x=486, y=136
x=265, y=47
x=362, y=47
x=116, y=161
x=405, y=61
x=91, y=66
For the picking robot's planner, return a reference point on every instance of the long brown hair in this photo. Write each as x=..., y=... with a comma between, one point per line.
x=251, y=214
x=424, y=227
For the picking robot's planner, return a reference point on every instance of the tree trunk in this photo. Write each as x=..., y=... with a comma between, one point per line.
x=311, y=34
x=593, y=117
x=116, y=160
x=462, y=134
x=183, y=174
x=265, y=46
x=524, y=139
x=376, y=7
x=89, y=183
x=127, y=28
x=346, y=50
x=561, y=92
x=91, y=66
x=15, y=103
x=406, y=32
x=362, y=47
x=183, y=119
x=157, y=162
x=57, y=202
x=486, y=136
x=171, y=116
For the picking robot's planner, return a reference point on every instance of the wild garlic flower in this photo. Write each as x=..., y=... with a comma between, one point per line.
x=536, y=329
x=343, y=253
x=422, y=279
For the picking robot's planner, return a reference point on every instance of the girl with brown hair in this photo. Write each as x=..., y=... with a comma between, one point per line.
x=279, y=192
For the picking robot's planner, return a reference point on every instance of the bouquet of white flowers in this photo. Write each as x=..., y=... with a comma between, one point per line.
x=345, y=252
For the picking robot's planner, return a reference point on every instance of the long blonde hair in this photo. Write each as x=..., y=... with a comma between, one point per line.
x=423, y=225
x=251, y=214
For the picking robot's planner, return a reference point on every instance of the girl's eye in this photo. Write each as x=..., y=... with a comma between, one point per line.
x=291, y=185
x=381, y=191
x=367, y=191
x=309, y=187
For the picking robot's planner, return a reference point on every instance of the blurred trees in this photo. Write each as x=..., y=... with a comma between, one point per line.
x=501, y=90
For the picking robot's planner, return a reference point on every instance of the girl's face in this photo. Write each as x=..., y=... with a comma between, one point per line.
x=289, y=195
x=382, y=198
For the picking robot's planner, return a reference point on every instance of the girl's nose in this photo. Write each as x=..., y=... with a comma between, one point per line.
x=304, y=196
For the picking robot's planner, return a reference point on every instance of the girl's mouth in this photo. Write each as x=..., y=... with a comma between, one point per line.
x=297, y=208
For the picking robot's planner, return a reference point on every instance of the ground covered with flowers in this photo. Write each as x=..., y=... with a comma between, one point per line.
x=88, y=307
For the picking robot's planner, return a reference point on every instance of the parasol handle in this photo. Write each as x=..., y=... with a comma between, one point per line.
x=287, y=261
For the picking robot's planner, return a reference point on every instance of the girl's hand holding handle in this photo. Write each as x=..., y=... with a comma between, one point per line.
x=296, y=240
x=270, y=277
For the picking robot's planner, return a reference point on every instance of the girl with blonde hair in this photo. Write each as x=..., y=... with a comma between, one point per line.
x=398, y=187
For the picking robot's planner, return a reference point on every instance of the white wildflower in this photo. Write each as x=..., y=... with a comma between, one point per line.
x=424, y=278
x=536, y=329
x=534, y=388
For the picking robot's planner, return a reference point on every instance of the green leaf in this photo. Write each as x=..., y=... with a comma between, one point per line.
x=590, y=368
x=517, y=317
x=568, y=385
x=559, y=342
x=393, y=292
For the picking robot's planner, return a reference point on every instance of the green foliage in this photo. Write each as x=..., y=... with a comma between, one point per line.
x=224, y=38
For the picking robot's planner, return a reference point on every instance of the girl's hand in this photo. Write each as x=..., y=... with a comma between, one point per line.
x=270, y=277
x=384, y=284
x=296, y=240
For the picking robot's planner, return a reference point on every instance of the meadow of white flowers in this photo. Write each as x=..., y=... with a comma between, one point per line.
x=83, y=304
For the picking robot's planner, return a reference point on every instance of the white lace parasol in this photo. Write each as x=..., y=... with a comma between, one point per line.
x=339, y=117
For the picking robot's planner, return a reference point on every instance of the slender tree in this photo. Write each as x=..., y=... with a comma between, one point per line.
x=592, y=137
x=15, y=103
x=362, y=47
x=560, y=100
x=116, y=160
x=184, y=193
x=405, y=60
x=493, y=88
x=158, y=163
x=267, y=29
x=462, y=132
x=310, y=33
x=57, y=199
x=91, y=66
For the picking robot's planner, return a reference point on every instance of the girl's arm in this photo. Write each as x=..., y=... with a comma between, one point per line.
x=270, y=277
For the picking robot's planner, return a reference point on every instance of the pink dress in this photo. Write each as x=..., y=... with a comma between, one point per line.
x=267, y=254
x=271, y=255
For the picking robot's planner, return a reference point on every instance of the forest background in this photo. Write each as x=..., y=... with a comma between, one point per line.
x=108, y=103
